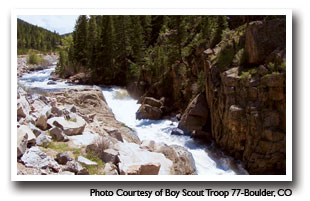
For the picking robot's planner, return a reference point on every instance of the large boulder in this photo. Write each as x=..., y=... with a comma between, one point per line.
x=183, y=161
x=134, y=160
x=23, y=107
x=25, y=130
x=36, y=158
x=110, y=155
x=76, y=168
x=263, y=37
x=195, y=116
x=41, y=122
x=43, y=140
x=22, y=140
x=73, y=126
x=149, y=112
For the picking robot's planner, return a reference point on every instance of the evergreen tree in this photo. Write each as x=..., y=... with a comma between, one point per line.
x=80, y=41
x=92, y=40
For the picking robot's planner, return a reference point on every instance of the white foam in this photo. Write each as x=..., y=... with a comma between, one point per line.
x=159, y=131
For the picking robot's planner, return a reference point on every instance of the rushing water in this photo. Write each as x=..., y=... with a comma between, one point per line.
x=124, y=109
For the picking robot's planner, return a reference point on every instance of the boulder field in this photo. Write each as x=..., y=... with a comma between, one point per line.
x=75, y=132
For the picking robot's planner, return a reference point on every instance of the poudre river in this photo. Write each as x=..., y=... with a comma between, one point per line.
x=124, y=108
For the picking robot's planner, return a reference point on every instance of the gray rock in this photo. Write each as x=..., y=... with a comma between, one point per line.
x=73, y=126
x=51, y=82
x=63, y=158
x=134, y=160
x=110, y=169
x=23, y=107
x=110, y=155
x=23, y=130
x=36, y=158
x=43, y=140
x=22, y=140
x=58, y=135
x=75, y=167
x=85, y=161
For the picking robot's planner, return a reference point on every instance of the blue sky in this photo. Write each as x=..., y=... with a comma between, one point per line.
x=59, y=23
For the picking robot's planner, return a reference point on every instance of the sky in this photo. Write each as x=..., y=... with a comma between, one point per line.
x=62, y=24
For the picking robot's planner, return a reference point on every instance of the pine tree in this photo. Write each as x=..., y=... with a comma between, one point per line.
x=80, y=41
x=92, y=42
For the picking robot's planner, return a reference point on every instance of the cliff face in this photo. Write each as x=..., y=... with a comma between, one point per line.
x=247, y=106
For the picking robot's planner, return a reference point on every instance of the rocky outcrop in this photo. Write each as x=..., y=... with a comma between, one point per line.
x=263, y=37
x=247, y=103
x=91, y=103
x=196, y=115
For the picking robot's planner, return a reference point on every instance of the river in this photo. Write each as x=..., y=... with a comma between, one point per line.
x=124, y=108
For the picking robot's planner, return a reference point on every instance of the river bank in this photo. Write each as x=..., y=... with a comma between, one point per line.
x=76, y=121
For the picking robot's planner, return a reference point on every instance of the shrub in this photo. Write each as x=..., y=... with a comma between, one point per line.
x=225, y=56
x=34, y=59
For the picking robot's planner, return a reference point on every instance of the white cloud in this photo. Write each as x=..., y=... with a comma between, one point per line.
x=59, y=23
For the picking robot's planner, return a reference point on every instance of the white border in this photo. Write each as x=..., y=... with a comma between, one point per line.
x=146, y=11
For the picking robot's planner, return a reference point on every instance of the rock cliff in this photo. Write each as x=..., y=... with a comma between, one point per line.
x=245, y=96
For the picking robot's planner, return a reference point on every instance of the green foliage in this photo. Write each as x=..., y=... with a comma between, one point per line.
x=118, y=49
x=94, y=169
x=253, y=71
x=245, y=75
x=276, y=67
x=34, y=59
x=60, y=147
x=225, y=56
x=220, y=25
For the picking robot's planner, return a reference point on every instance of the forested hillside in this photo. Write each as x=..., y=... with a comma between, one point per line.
x=115, y=49
x=33, y=37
